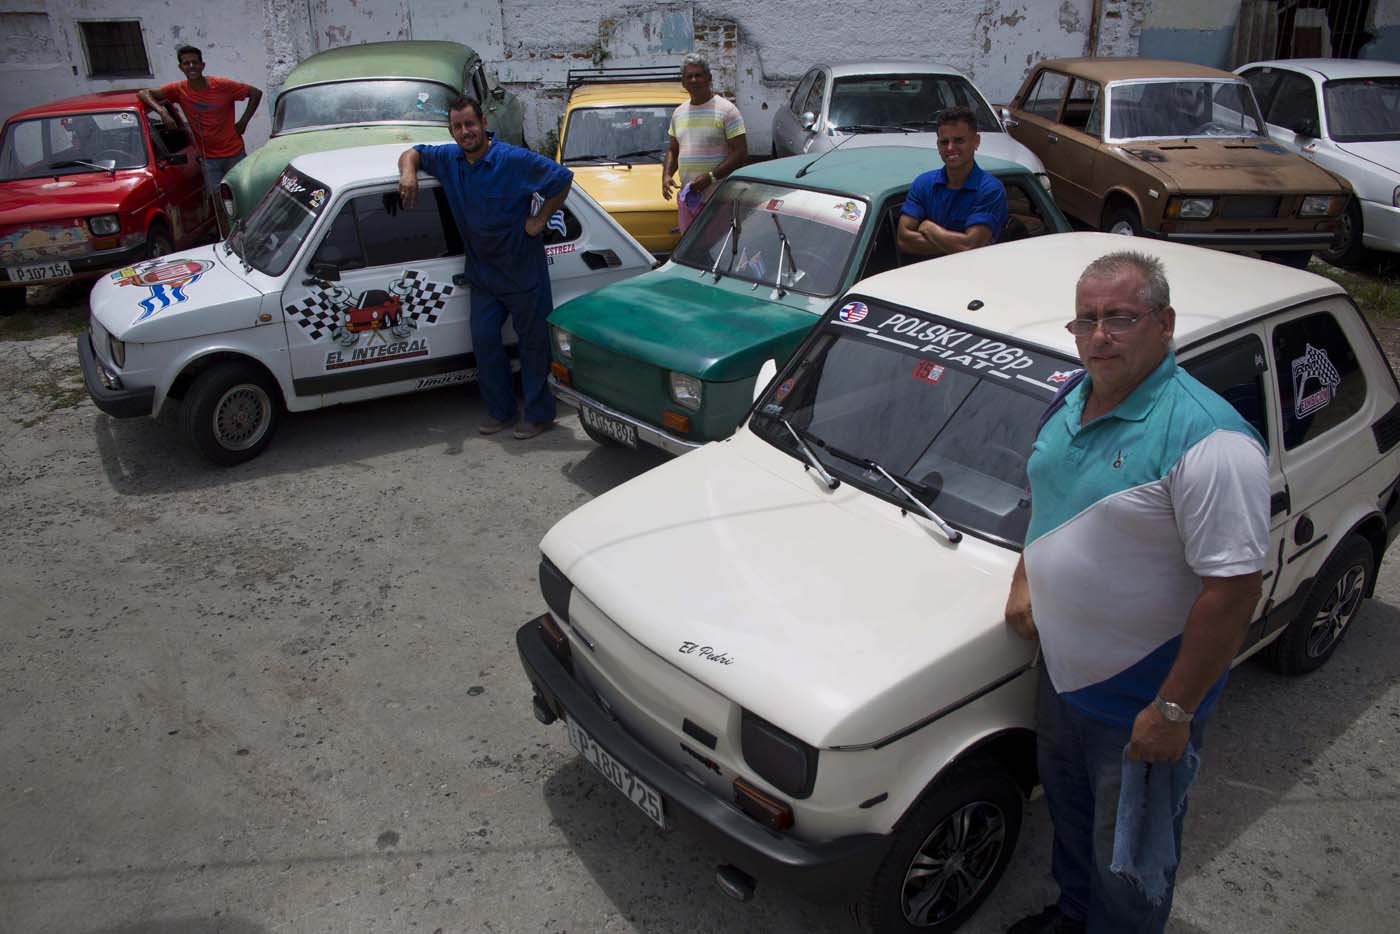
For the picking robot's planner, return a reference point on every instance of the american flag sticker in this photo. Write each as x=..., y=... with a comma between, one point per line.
x=853, y=312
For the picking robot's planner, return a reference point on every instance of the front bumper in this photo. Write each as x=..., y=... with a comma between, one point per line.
x=1258, y=241
x=118, y=403
x=90, y=266
x=832, y=872
x=652, y=435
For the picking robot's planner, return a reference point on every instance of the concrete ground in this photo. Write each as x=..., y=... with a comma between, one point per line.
x=284, y=698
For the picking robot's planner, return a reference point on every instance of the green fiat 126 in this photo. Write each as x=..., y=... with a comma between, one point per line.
x=670, y=358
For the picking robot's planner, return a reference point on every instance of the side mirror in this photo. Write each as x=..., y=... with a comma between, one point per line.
x=1306, y=126
x=765, y=376
x=1007, y=120
x=809, y=120
x=320, y=269
x=178, y=158
x=498, y=92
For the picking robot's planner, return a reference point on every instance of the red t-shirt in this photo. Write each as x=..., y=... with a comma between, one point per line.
x=210, y=112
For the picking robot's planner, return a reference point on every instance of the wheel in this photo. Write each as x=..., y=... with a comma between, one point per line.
x=1298, y=259
x=1346, y=248
x=158, y=243
x=1123, y=220
x=947, y=853
x=598, y=437
x=230, y=413
x=1331, y=605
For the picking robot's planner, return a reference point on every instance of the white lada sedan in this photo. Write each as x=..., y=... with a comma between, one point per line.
x=790, y=646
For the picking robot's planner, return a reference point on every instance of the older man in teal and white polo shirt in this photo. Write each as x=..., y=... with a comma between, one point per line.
x=708, y=141
x=1141, y=572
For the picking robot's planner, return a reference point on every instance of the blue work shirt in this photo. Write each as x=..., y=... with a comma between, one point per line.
x=490, y=201
x=980, y=200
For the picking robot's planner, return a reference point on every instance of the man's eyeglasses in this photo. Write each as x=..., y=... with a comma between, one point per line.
x=1112, y=324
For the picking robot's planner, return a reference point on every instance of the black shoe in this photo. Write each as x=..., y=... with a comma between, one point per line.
x=1049, y=921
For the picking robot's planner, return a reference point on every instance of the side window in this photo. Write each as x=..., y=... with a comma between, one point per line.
x=1236, y=372
x=341, y=245
x=1320, y=383
x=377, y=230
x=884, y=245
x=1295, y=104
x=1045, y=95
x=1082, y=105
x=1262, y=81
x=563, y=227
x=813, y=103
x=478, y=87
x=168, y=139
x=800, y=94
x=1025, y=217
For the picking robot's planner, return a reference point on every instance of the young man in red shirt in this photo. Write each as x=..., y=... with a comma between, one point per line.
x=208, y=106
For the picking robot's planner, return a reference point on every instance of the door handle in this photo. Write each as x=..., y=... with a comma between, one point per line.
x=1278, y=502
x=459, y=279
x=1052, y=137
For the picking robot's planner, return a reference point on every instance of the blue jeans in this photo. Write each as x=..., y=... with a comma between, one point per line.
x=528, y=312
x=1081, y=766
x=215, y=169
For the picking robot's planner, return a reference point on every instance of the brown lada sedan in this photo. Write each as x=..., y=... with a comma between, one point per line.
x=1173, y=150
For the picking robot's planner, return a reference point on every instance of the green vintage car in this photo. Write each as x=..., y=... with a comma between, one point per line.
x=670, y=358
x=359, y=95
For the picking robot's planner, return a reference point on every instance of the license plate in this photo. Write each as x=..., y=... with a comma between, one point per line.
x=614, y=428
x=39, y=273
x=621, y=777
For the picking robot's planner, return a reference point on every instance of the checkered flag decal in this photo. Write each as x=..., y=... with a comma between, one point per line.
x=315, y=314
x=424, y=299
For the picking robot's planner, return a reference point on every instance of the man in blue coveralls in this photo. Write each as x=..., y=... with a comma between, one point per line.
x=490, y=185
x=958, y=207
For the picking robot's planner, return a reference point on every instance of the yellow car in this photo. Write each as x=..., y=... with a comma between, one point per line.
x=614, y=137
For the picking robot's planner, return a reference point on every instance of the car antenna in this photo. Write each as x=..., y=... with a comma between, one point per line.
x=803, y=171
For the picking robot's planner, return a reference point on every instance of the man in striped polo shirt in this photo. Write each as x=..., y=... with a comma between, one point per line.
x=708, y=141
x=1140, y=574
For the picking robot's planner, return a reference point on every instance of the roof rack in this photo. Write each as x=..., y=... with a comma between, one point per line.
x=578, y=76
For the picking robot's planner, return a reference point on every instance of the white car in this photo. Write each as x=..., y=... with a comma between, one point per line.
x=1345, y=116
x=790, y=644
x=886, y=102
x=331, y=292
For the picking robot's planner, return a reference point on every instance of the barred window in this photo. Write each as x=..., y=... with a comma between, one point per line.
x=115, y=49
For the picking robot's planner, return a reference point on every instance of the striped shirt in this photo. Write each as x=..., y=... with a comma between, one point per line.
x=703, y=133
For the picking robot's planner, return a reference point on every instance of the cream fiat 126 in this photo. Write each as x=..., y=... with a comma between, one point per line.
x=790, y=644
x=331, y=292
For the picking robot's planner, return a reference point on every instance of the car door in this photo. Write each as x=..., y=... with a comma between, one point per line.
x=179, y=180
x=1072, y=148
x=812, y=139
x=1038, y=121
x=1293, y=116
x=787, y=125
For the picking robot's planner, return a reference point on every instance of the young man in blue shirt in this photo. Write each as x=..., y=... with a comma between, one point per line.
x=490, y=186
x=958, y=207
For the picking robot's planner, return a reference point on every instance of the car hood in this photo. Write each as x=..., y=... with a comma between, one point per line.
x=620, y=189
x=1231, y=165
x=1384, y=153
x=844, y=619
x=186, y=294
x=996, y=145
x=40, y=200
x=718, y=331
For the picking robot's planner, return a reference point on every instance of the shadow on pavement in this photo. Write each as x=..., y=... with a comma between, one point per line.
x=210, y=925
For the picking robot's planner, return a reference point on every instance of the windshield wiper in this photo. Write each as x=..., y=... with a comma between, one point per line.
x=732, y=238
x=952, y=534
x=70, y=163
x=654, y=151
x=592, y=157
x=868, y=128
x=830, y=481
x=918, y=124
x=784, y=254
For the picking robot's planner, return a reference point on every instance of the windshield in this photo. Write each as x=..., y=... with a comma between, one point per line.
x=1177, y=109
x=737, y=229
x=617, y=134
x=952, y=410
x=57, y=145
x=911, y=101
x=373, y=100
x=279, y=224
x=1363, y=109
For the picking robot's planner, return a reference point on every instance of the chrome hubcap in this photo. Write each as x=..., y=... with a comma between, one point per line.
x=1337, y=611
x=241, y=417
x=1122, y=228
x=954, y=863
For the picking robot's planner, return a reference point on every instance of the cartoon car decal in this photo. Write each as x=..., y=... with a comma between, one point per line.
x=332, y=311
x=164, y=279
x=1315, y=381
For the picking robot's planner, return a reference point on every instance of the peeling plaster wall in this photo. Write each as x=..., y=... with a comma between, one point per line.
x=1385, y=24
x=1201, y=31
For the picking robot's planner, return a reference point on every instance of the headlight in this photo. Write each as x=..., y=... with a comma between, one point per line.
x=105, y=225
x=1191, y=208
x=781, y=759
x=686, y=390
x=563, y=342
x=1316, y=206
x=118, y=351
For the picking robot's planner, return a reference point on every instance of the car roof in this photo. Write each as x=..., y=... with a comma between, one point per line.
x=1333, y=68
x=892, y=67
x=603, y=94
x=120, y=99
x=421, y=59
x=1026, y=287
x=1119, y=69
x=355, y=165
x=867, y=172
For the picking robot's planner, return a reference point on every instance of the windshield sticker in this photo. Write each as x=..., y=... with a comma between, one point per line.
x=406, y=304
x=853, y=312
x=1061, y=376
x=318, y=198
x=783, y=389
x=126, y=118
x=165, y=281
x=928, y=371
x=1315, y=381
x=303, y=189
x=830, y=210
x=849, y=210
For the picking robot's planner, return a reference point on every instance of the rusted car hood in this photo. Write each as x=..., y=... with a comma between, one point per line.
x=1227, y=165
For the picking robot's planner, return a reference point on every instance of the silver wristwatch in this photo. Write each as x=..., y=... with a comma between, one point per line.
x=1173, y=713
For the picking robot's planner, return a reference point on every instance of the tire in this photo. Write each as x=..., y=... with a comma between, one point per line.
x=1346, y=248
x=158, y=243
x=966, y=827
x=1123, y=220
x=1297, y=259
x=1327, y=612
x=598, y=437
x=230, y=413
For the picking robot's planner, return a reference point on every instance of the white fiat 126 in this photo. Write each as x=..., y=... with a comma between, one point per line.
x=332, y=292
x=790, y=644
